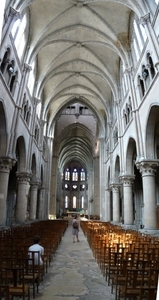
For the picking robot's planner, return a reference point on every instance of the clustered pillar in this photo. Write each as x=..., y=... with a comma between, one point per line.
x=5, y=167
x=148, y=169
x=116, y=202
x=33, y=200
x=128, y=199
x=22, y=197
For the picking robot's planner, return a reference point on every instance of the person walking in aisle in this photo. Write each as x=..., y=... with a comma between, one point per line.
x=75, y=229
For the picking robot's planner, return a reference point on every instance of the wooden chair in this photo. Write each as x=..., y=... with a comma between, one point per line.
x=17, y=285
x=132, y=286
x=38, y=267
x=147, y=293
x=4, y=292
x=112, y=266
x=119, y=277
x=6, y=262
x=31, y=274
x=104, y=260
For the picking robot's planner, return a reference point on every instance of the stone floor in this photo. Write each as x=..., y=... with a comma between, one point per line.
x=74, y=273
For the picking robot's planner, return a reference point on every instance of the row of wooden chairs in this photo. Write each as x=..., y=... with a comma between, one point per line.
x=128, y=259
x=18, y=269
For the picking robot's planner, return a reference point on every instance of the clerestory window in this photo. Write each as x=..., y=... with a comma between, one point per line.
x=66, y=202
x=67, y=174
x=74, y=201
x=75, y=175
x=82, y=175
x=31, y=80
x=138, y=39
x=19, y=35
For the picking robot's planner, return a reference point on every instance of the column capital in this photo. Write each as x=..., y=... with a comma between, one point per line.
x=27, y=67
x=23, y=177
x=109, y=123
x=147, y=167
x=42, y=123
x=35, y=184
x=42, y=188
x=145, y=19
x=127, y=179
x=36, y=101
x=115, y=186
x=128, y=70
x=118, y=102
x=101, y=139
x=6, y=164
x=14, y=12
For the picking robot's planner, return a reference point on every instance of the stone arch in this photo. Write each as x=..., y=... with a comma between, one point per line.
x=151, y=65
x=137, y=189
x=21, y=154
x=117, y=169
x=146, y=76
x=34, y=168
x=5, y=60
x=141, y=87
x=130, y=156
x=3, y=131
x=152, y=133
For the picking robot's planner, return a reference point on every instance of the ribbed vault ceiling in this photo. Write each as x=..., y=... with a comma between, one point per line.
x=78, y=46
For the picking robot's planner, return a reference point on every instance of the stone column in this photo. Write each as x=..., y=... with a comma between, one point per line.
x=147, y=169
x=52, y=208
x=128, y=199
x=102, y=177
x=5, y=167
x=33, y=200
x=108, y=214
x=90, y=208
x=96, y=199
x=116, y=202
x=41, y=204
x=22, y=196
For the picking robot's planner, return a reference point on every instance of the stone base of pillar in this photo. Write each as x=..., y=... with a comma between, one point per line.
x=116, y=223
x=133, y=227
x=4, y=227
x=150, y=231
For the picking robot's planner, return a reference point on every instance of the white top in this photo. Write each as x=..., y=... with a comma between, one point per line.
x=37, y=247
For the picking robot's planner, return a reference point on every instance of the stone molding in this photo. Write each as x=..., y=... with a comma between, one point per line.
x=35, y=185
x=147, y=167
x=14, y=12
x=27, y=67
x=6, y=164
x=23, y=177
x=127, y=179
x=115, y=187
x=145, y=19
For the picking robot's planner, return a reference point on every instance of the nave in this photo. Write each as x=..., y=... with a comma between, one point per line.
x=109, y=262
x=74, y=273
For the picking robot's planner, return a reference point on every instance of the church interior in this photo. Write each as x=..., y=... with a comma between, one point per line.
x=79, y=108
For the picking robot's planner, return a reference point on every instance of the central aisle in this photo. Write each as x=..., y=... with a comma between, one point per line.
x=74, y=273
